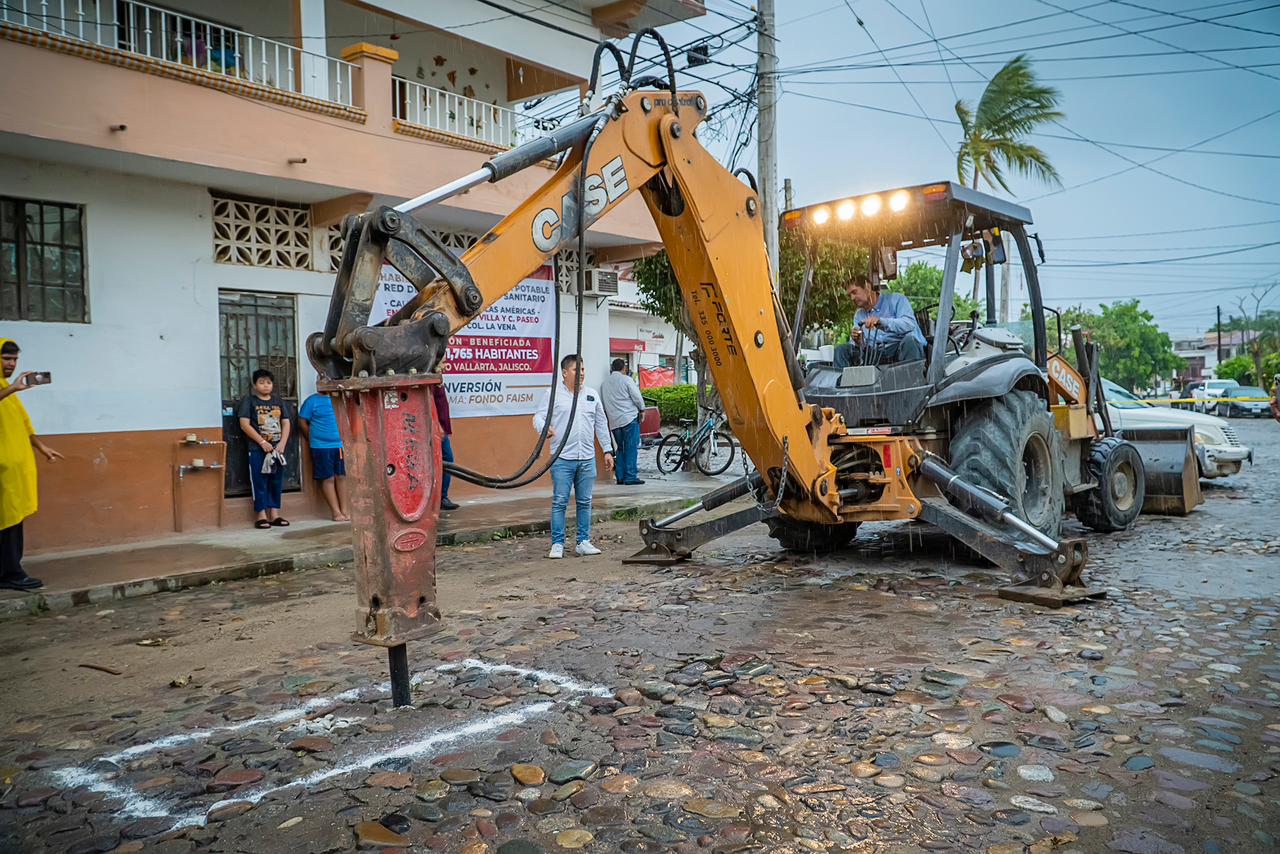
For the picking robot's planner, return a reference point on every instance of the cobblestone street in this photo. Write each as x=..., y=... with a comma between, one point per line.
x=875, y=700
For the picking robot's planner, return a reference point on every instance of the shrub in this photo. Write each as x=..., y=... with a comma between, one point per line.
x=674, y=401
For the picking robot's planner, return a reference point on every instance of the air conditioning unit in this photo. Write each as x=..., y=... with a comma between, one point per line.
x=601, y=283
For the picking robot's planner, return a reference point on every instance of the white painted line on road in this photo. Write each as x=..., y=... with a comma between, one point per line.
x=566, y=682
x=411, y=750
x=137, y=805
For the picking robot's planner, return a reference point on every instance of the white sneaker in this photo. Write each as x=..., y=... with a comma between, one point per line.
x=585, y=549
x=557, y=551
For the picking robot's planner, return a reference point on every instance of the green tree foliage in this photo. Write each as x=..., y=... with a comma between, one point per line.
x=1270, y=367
x=1013, y=105
x=1240, y=369
x=827, y=305
x=1134, y=351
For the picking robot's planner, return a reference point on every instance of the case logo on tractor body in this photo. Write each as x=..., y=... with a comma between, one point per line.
x=602, y=189
x=1063, y=374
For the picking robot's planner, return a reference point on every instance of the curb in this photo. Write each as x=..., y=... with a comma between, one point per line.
x=35, y=603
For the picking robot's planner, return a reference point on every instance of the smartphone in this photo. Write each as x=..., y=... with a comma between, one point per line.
x=40, y=378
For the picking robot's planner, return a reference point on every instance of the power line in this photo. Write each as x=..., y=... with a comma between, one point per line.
x=1022, y=47
x=1073, y=78
x=1147, y=164
x=1077, y=137
x=1146, y=261
x=911, y=94
x=1197, y=20
x=1173, y=231
x=1143, y=34
x=936, y=43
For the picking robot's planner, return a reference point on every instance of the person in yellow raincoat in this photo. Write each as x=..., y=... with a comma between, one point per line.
x=18, y=444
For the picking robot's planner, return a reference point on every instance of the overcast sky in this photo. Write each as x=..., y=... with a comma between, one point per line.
x=1171, y=100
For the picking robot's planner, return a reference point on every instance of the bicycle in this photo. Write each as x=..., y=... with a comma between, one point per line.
x=710, y=448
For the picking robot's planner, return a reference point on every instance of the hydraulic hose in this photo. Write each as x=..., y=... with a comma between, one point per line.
x=666, y=53
x=520, y=478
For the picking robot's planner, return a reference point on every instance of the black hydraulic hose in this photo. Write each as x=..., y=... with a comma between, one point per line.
x=624, y=73
x=520, y=478
x=666, y=53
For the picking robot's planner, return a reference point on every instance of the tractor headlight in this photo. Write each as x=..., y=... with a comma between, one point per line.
x=821, y=215
x=898, y=201
x=845, y=210
x=871, y=206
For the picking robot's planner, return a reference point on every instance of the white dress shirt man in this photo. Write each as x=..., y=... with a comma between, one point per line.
x=576, y=466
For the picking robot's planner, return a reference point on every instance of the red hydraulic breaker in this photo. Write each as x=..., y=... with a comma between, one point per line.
x=391, y=443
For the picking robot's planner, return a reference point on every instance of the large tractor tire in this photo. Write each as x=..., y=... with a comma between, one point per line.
x=810, y=537
x=1010, y=446
x=1116, y=467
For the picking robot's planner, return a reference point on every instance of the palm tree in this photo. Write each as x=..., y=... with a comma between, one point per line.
x=1012, y=106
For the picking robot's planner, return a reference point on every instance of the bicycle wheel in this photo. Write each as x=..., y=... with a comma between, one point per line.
x=671, y=453
x=715, y=455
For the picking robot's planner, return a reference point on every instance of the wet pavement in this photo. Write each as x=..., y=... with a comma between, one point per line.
x=880, y=699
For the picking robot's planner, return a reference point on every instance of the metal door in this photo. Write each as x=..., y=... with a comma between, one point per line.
x=257, y=331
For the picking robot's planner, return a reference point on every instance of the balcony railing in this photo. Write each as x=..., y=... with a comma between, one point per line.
x=462, y=116
x=185, y=40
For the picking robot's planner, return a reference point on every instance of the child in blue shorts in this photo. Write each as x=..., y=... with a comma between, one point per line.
x=320, y=426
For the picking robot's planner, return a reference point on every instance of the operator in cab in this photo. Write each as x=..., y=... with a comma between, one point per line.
x=884, y=327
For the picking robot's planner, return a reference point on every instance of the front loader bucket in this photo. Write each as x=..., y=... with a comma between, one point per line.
x=1173, y=475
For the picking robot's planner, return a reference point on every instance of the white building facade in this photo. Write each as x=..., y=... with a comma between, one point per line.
x=172, y=180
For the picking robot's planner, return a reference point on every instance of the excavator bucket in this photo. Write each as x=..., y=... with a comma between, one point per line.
x=1173, y=474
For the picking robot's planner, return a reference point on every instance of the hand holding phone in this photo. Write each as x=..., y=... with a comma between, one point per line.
x=39, y=377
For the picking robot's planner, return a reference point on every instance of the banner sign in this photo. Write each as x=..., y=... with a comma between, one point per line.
x=501, y=362
x=394, y=290
x=654, y=377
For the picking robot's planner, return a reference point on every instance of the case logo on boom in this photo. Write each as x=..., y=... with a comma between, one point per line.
x=602, y=189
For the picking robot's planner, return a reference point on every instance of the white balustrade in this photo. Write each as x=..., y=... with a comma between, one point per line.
x=186, y=40
x=434, y=108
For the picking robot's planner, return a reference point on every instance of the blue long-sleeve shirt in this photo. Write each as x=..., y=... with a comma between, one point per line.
x=897, y=321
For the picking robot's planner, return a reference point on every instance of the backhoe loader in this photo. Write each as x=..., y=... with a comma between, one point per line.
x=830, y=450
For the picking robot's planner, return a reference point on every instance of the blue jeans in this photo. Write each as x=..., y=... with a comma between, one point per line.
x=581, y=475
x=627, y=440
x=266, y=487
x=446, y=455
x=906, y=349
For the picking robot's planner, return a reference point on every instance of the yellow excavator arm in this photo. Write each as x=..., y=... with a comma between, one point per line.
x=710, y=224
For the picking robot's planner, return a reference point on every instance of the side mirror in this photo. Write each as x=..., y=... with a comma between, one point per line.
x=1039, y=246
x=995, y=246
x=888, y=262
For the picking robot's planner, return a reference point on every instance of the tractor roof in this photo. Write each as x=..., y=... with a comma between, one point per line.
x=906, y=217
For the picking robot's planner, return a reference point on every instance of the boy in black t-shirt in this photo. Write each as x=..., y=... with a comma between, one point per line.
x=266, y=420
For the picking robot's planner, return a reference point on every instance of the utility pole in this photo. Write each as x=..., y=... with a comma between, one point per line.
x=788, y=200
x=767, y=137
x=1219, y=335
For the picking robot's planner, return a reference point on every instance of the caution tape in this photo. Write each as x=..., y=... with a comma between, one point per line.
x=1193, y=400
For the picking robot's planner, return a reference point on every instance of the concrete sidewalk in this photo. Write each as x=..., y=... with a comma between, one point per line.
x=94, y=576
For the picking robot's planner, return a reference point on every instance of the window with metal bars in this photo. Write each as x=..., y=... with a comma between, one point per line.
x=42, y=261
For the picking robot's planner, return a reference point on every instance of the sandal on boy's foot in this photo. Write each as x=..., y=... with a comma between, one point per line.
x=280, y=523
x=262, y=523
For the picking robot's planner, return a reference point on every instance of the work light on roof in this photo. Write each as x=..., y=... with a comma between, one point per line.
x=821, y=215
x=871, y=206
x=845, y=210
x=898, y=201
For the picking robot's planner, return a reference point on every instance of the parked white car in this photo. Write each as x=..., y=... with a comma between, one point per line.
x=1222, y=456
x=1211, y=389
